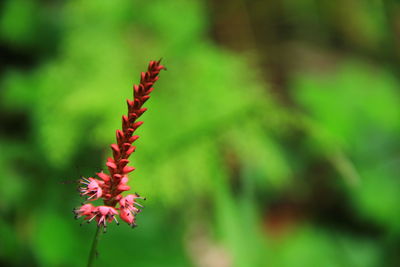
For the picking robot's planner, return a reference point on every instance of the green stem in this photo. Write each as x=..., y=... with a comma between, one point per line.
x=93, y=250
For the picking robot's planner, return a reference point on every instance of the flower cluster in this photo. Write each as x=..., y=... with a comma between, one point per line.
x=109, y=186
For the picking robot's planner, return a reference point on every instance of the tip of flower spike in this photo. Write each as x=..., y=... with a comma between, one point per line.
x=161, y=67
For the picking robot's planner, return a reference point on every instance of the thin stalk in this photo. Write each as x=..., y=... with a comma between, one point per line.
x=93, y=250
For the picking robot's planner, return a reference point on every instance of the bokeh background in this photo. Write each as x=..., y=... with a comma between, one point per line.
x=272, y=140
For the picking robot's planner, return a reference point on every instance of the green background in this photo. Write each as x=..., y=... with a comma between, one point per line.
x=272, y=140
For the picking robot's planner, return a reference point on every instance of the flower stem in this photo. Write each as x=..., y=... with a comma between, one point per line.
x=93, y=250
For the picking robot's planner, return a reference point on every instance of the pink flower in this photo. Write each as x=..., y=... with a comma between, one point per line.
x=105, y=214
x=128, y=208
x=91, y=187
x=127, y=216
x=85, y=210
x=111, y=185
x=129, y=201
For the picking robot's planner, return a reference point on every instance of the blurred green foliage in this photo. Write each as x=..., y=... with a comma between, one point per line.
x=280, y=153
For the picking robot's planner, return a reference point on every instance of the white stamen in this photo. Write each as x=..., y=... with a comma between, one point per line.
x=91, y=219
x=132, y=210
x=138, y=205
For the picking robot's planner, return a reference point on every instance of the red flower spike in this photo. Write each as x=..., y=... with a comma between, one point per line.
x=111, y=185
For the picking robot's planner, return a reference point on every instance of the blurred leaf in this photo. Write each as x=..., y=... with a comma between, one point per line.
x=310, y=246
x=54, y=241
x=19, y=21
